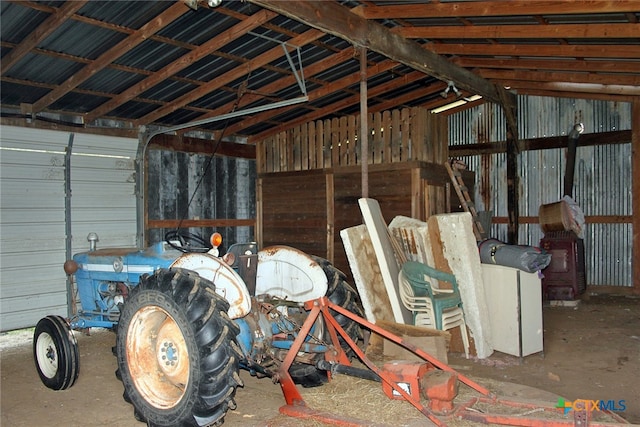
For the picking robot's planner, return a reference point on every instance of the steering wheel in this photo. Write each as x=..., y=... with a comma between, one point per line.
x=187, y=242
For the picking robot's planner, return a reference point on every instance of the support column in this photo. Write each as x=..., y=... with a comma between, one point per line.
x=635, y=195
x=364, y=128
x=510, y=108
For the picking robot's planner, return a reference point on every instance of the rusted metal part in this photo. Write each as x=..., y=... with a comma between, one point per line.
x=296, y=406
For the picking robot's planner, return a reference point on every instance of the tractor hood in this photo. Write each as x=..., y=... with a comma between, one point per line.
x=124, y=264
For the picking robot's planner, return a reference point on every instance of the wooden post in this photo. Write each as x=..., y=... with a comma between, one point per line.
x=513, y=182
x=364, y=137
x=510, y=107
x=635, y=207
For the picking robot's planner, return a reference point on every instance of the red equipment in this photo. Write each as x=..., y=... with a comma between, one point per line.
x=436, y=379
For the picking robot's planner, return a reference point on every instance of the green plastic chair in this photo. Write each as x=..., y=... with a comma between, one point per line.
x=442, y=307
x=418, y=274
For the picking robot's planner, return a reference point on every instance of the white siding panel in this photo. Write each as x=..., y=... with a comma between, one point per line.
x=32, y=213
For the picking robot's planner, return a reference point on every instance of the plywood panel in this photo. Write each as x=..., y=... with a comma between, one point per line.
x=461, y=253
x=366, y=274
x=377, y=228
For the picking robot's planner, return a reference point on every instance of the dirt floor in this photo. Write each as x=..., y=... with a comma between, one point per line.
x=591, y=352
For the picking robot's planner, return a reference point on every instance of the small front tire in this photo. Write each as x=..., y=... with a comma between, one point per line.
x=55, y=351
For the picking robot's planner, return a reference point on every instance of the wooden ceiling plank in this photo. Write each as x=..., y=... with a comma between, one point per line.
x=551, y=64
x=495, y=8
x=255, y=63
x=556, y=76
x=159, y=22
x=181, y=63
x=332, y=87
x=604, y=51
x=43, y=31
x=336, y=19
x=566, y=31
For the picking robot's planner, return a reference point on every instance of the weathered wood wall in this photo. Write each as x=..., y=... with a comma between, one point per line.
x=395, y=136
x=307, y=209
x=202, y=194
x=310, y=178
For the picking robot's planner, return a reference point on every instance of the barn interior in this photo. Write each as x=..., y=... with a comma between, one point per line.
x=513, y=125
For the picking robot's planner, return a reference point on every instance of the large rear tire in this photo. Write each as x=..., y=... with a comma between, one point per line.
x=177, y=351
x=340, y=293
x=55, y=351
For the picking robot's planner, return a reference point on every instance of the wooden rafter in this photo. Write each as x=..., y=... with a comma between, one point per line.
x=560, y=76
x=42, y=32
x=627, y=51
x=161, y=21
x=333, y=87
x=339, y=21
x=344, y=103
x=309, y=71
x=494, y=8
x=551, y=64
x=532, y=31
x=181, y=63
x=257, y=62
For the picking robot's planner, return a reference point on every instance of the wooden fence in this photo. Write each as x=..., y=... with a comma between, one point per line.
x=395, y=136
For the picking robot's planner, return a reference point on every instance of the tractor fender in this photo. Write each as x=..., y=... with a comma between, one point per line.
x=289, y=273
x=229, y=285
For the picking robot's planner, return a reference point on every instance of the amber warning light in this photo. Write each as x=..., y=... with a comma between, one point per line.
x=216, y=240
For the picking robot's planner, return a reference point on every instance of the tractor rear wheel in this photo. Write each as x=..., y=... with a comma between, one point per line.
x=177, y=354
x=340, y=293
x=55, y=351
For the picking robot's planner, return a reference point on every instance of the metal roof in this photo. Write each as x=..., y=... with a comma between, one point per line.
x=164, y=63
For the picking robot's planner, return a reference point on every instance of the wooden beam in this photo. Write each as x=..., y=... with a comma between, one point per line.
x=39, y=34
x=335, y=19
x=629, y=51
x=173, y=223
x=330, y=88
x=336, y=107
x=513, y=188
x=255, y=63
x=159, y=22
x=565, y=31
x=524, y=88
x=559, y=76
x=635, y=194
x=203, y=146
x=575, y=65
x=575, y=88
x=495, y=8
x=586, y=139
x=309, y=71
x=183, y=62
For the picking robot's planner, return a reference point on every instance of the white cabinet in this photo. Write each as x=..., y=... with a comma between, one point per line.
x=514, y=299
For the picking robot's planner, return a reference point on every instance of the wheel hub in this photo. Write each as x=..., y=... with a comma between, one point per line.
x=157, y=357
x=49, y=363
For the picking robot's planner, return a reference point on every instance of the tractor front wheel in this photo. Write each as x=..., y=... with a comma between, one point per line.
x=177, y=354
x=55, y=351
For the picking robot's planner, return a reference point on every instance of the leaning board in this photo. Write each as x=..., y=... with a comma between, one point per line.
x=385, y=256
x=366, y=274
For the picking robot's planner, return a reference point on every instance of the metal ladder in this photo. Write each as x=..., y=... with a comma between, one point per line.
x=465, y=199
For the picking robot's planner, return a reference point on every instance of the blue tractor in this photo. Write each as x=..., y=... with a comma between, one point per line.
x=187, y=319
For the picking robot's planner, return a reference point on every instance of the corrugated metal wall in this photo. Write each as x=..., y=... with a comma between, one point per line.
x=32, y=213
x=602, y=174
